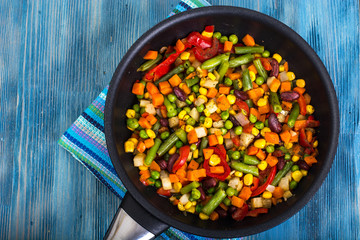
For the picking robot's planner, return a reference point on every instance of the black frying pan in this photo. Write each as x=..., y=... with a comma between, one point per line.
x=276, y=37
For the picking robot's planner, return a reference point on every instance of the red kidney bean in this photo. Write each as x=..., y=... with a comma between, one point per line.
x=222, y=213
x=240, y=94
x=281, y=163
x=203, y=195
x=274, y=68
x=274, y=123
x=289, y=96
x=208, y=183
x=240, y=213
x=179, y=93
x=303, y=165
x=171, y=161
x=164, y=122
x=162, y=164
x=278, y=153
x=198, y=143
x=234, y=121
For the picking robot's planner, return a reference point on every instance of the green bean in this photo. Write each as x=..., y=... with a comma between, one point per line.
x=215, y=61
x=148, y=64
x=192, y=81
x=244, y=59
x=280, y=174
x=203, y=144
x=151, y=154
x=224, y=66
x=260, y=69
x=251, y=160
x=181, y=135
x=244, y=50
x=167, y=76
x=293, y=115
x=167, y=145
x=247, y=84
x=274, y=100
x=222, y=185
x=156, y=126
x=189, y=187
x=214, y=202
x=242, y=167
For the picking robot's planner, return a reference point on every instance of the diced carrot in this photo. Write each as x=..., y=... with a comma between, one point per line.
x=144, y=123
x=265, y=87
x=192, y=57
x=151, y=119
x=208, y=152
x=192, y=137
x=223, y=103
x=271, y=160
x=286, y=105
x=204, y=72
x=264, y=109
x=151, y=88
x=154, y=166
x=179, y=47
x=181, y=123
x=285, y=136
x=266, y=64
x=261, y=155
x=223, y=206
x=191, y=176
x=248, y=40
x=173, y=177
x=262, y=118
x=275, y=84
x=252, y=150
x=229, y=71
x=278, y=192
x=138, y=89
x=245, y=193
x=144, y=177
x=228, y=46
x=164, y=86
x=214, y=216
x=252, y=68
x=255, y=93
x=254, y=85
x=307, y=98
x=145, y=172
x=227, y=135
x=175, y=202
x=181, y=173
x=213, y=141
x=248, y=128
x=150, y=55
x=157, y=99
x=286, y=66
x=285, y=86
x=299, y=90
x=175, y=80
x=193, y=165
x=166, y=91
x=309, y=136
x=297, y=150
x=191, y=75
x=299, y=124
x=212, y=92
x=255, y=112
x=200, y=173
x=149, y=142
x=224, y=90
x=215, y=117
x=141, y=146
x=237, y=202
x=234, y=76
x=217, y=169
x=272, y=137
x=185, y=88
x=310, y=160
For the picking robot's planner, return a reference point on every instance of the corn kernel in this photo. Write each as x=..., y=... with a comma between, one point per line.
x=143, y=168
x=182, y=114
x=238, y=174
x=255, y=131
x=240, y=83
x=202, y=81
x=134, y=140
x=184, y=56
x=304, y=172
x=177, y=187
x=218, y=110
x=186, y=117
x=191, y=210
x=281, y=68
x=316, y=143
x=203, y=216
x=300, y=83
x=265, y=130
x=248, y=179
x=194, y=203
x=297, y=175
x=150, y=133
x=232, y=112
x=220, y=139
x=130, y=113
x=188, y=128
x=191, y=98
x=208, y=122
x=147, y=95
x=183, y=127
x=295, y=158
x=252, y=76
x=231, y=98
x=203, y=97
x=129, y=146
x=290, y=75
x=262, y=102
x=181, y=207
x=207, y=34
x=257, y=55
x=277, y=57
x=211, y=76
x=172, y=198
x=288, y=145
x=214, y=160
x=260, y=143
x=267, y=195
x=188, y=205
x=310, y=109
x=172, y=150
x=203, y=91
x=262, y=165
x=207, y=113
x=196, y=153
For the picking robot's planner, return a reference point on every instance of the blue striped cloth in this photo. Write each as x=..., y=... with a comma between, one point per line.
x=85, y=140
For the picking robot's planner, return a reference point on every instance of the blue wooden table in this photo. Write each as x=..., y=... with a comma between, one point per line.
x=55, y=58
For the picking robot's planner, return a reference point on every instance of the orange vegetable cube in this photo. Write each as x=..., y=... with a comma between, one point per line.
x=149, y=142
x=208, y=152
x=151, y=55
x=175, y=80
x=248, y=40
x=228, y=46
x=212, y=92
x=138, y=89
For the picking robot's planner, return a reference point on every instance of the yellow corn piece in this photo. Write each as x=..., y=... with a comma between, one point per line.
x=277, y=57
x=130, y=113
x=172, y=150
x=248, y=179
x=129, y=146
x=184, y=56
x=214, y=160
x=267, y=195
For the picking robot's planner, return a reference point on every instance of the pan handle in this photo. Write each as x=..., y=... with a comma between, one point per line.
x=132, y=221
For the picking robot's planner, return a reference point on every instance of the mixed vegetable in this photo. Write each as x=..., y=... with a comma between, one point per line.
x=221, y=128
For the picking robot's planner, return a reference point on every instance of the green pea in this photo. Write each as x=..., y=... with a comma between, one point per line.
x=179, y=110
x=155, y=174
x=223, y=131
x=242, y=153
x=188, y=101
x=195, y=194
x=179, y=144
x=193, y=147
x=228, y=82
x=235, y=155
x=293, y=185
x=223, y=39
x=266, y=123
x=132, y=123
x=143, y=134
x=259, y=80
x=233, y=38
x=190, y=121
x=151, y=181
x=217, y=35
x=238, y=130
x=158, y=184
x=294, y=168
x=211, y=190
x=225, y=115
x=266, y=53
x=200, y=108
x=230, y=191
x=198, y=208
x=172, y=98
x=136, y=108
x=232, y=91
x=187, y=110
x=259, y=125
x=252, y=118
x=164, y=135
x=287, y=156
x=187, y=64
x=140, y=96
x=190, y=70
x=227, y=202
x=195, y=88
x=142, y=110
x=270, y=149
x=228, y=124
x=229, y=152
x=202, y=119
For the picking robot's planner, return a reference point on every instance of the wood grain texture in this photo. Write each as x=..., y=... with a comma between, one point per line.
x=56, y=57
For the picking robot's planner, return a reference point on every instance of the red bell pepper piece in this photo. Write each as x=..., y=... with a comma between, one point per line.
x=210, y=28
x=222, y=150
x=163, y=192
x=302, y=139
x=266, y=64
x=218, y=151
x=312, y=123
x=242, y=105
x=198, y=40
x=302, y=104
x=236, y=141
x=184, y=153
x=269, y=180
x=161, y=69
x=256, y=212
x=256, y=184
x=202, y=55
x=240, y=213
x=311, y=117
